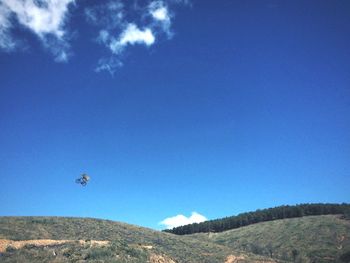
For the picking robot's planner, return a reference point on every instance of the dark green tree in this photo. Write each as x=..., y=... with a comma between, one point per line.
x=275, y=213
x=295, y=254
x=345, y=257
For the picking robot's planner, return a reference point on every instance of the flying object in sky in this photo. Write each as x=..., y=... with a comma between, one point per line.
x=83, y=180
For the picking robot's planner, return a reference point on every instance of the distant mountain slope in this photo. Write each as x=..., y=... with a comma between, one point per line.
x=315, y=239
x=127, y=243
x=275, y=213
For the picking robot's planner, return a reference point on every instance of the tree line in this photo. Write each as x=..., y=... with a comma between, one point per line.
x=244, y=219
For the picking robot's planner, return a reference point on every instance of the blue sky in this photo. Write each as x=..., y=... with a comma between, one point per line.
x=173, y=107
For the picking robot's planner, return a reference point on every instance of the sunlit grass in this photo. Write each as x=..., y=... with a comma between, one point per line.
x=127, y=242
x=313, y=238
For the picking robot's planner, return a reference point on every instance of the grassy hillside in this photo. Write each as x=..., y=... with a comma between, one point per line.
x=127, y=243
x=320, y=239
x=307, y=239
x=264, y=215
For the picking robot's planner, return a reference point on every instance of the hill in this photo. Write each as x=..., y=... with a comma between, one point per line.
x=311, y=239
x=270, y=214
x=318, y=239
x=59, y=239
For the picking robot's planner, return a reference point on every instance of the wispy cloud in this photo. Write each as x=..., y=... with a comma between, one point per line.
x=109, y=15
x=132, y=35
x=181, y=220
x=46, y=19
x=117, y=31
x=120, y=24
x=42, y=17
x=6, y=41
x=159, y=11
x=160, y=14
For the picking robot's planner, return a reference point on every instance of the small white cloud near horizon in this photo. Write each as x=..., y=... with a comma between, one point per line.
x=181, y=220
x=46, y=19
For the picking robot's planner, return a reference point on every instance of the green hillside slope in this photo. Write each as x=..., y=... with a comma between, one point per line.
x=264, y=215
x=126, y=243
x=307, y=239
x=319, y=239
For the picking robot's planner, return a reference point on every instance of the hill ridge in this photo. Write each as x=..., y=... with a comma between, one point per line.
x=127, y=243
x=262, y=215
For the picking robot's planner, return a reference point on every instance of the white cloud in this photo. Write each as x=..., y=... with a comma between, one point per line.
x=108, y=64
x=150, y=22
x=181, y=220
x=133, y=35
x=116, y=33
x=45, y=18
x=6, y=41
x=160, y=14
x=120, y=24
x=158, y=10
x=103, y=36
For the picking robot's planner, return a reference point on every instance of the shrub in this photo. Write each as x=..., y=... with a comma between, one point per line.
x=10, y=249
x=345, y=257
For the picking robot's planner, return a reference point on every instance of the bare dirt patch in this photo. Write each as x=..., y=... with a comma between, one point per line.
x=5, y=243
x=147, y=246
x=160, y=259
x=233, y=259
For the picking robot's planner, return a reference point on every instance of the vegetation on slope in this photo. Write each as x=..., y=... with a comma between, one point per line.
x=74, y=252
x=127, y=243
x=244, y=219
x=318, y=239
